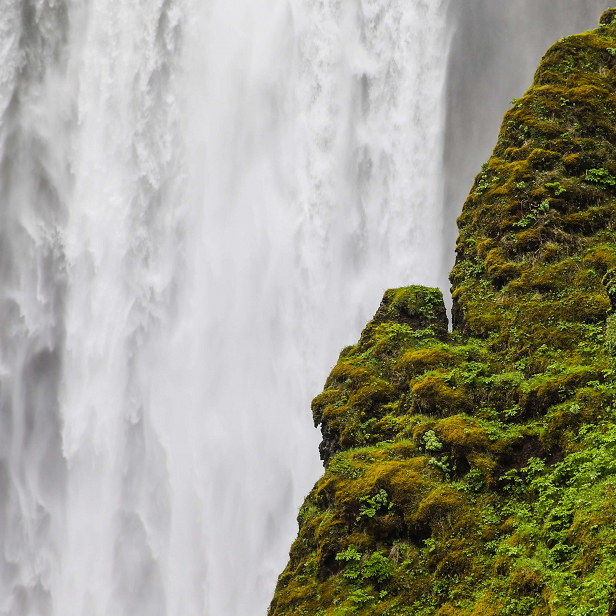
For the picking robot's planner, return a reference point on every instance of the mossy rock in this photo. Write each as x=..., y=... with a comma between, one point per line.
x=418, y=307
x=607, y=17
x=609, y=281
x=371, y=375
x=473, y=472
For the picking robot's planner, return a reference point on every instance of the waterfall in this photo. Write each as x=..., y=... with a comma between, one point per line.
x=200, y=204
x=34, y=178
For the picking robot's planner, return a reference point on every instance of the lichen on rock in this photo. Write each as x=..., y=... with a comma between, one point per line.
x=473, y=472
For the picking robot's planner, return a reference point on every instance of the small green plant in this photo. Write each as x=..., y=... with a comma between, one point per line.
x=352, y=557
x=527, y=220
x=371, y=505
x=601, y=177
x=512, y=481
x=349, y=555
x=474, y=481
x=441, y=465
x=568, y=66
x=344, y=466
x=360, y=597
x=490, y=516
x=431, y=442
x=485, y=183
x=377, y=568
x=558, y=189
x=512, y=412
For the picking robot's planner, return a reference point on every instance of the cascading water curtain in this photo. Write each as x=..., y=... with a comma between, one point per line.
x=35, y=119
x=201, y=203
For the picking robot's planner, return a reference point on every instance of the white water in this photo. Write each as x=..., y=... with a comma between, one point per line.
x=202, y=202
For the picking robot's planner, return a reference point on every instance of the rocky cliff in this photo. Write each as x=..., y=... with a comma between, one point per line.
x=473, y=472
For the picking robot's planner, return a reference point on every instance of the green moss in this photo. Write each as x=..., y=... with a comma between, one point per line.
x=473, y=472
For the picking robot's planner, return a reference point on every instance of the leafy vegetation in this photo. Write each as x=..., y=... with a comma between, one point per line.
x=473, y=472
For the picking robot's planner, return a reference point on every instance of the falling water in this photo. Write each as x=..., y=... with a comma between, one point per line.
x=200, y=204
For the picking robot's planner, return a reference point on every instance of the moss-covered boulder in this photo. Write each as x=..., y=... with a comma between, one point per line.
x=371, y=377
x=473, y=472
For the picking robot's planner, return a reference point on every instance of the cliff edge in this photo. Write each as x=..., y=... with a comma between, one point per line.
x=473, y=472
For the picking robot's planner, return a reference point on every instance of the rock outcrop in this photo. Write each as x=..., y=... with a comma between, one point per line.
x=473, y=472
